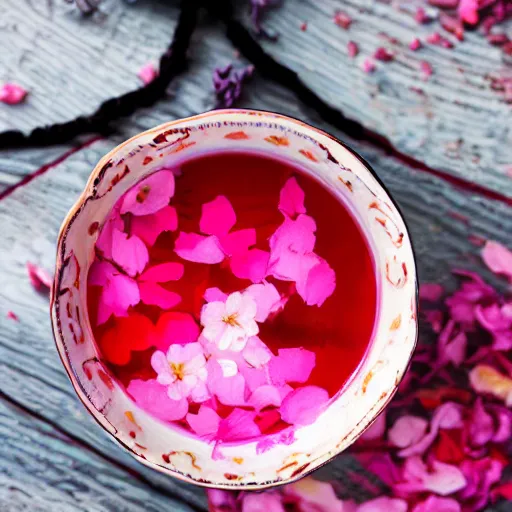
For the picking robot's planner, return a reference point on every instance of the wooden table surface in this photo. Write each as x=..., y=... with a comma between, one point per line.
x=450, y=170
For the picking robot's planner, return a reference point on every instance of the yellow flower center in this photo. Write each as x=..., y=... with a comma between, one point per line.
x=178, y=369
x=231, y=320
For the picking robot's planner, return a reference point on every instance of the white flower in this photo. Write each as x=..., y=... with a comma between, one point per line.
x=229, y=324
x=183, y=370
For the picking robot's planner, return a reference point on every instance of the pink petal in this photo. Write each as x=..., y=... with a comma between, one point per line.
x=153, y=294
x=481, y=426
x=238, y=242
x=147, y=73
x=291, y=365
x=250, y=265
x=238, y=425
x=153, y=398
x=256, y=353
x=217, y=217
x=376, y=429
x=407, y=430
x=468, y=11
x=12, y=315
x=265, y=396
x=118, y=295
x=383, y=503
x=100, y=273
x=369, y=66
x=254, y=377
x=431, y=292
x=436, y=504
x=163, y=273
x=291, y=199
x=319, y=284
x=105, y=239
x=268, y=502
x=198, y=248
x=11, y=94
x=267, y=298
x=292, y=266
x=205, y=423
x=149, y=227
x=176, y=327
x=312, y=495
x=303, y=405
x=294, y=235
x=229, y=390
x=215, y=295
x=498, y=258
x=40, y=279
x=130, y=253
x=149, y=195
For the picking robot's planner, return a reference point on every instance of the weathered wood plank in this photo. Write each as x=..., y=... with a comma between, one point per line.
x=41, y=469
x=459, y=124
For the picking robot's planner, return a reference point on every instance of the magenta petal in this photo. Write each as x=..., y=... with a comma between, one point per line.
x=149, y=195
x=376, y=430
x=292, y=266
x=498, y=258
x=12, y=94
x=268, y=502
x=265, y=396
x=251, y=265
x=431, y=292
x=436, y=504
x=217, y=217
x=294, y=235
x=229, y=390
x=39, y=278
x=205, y=422
x=407, y=431
x=176, y=327
x=198, y=248
x=105, y=238
x=147, y=73
x=291, y=365
x=238, y=425
x=215, y=295
x=267, y=298
x=118, y=295
x=319, y=284
x=291, y=199
x=238, y=242
x=163, y=273
x=152, y=397
x=100, y=272
x=383, y=503
x=254, y=377
x=149, y=227
x=256, y=353
x=303, y=405
x=130, y=253
x=153, y=294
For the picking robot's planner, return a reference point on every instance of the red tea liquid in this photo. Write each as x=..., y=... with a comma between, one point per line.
x=338, y=332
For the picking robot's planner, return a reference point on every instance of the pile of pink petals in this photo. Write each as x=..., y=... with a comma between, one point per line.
x=444, y=442
x=213, y=373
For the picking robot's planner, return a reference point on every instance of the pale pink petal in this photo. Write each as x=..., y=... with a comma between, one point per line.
x=215, y=295
x=163, y=273
x=152, y=397
x=303, y=405
x=383, y=503
x=153, y=294
x=436, y=504
x=150, y=194
x=159, y=363
x=291, y=365
x=315, y=496
x=256, y=353
x=294, y=235
x=176, y=327
x=407, y=430
x=100, y=272
x=149, y=227
x=265, y=396
x=11, y=94
x=267, y=298
x=292, y=266
x=238, y=425
x=250, y=265
x=39, y=278
x=376, y=429
x=229, y=367
x=198, y=248
x=147, y=73
x=498, y=258
x=431, y=292
x=254, y=377
x=217, y=217
x=291, y=199
x=118, y=295
x=319, y=284
x=205, y=422
x=200, y=393
x=129, y=252
x=238, y=242
x=268, y=502
x=229, y=390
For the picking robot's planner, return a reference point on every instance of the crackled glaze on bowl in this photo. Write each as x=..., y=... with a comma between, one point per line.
x=350, y=411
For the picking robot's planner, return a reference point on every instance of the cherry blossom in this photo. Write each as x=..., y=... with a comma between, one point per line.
x=229, y=324
x=183, y=371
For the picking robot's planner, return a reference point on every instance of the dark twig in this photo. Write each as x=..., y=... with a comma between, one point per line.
x=172, y=63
